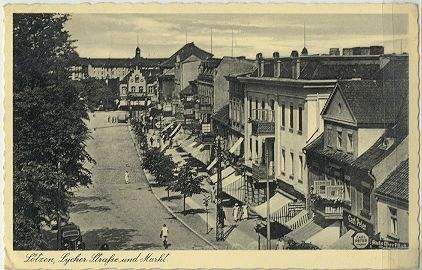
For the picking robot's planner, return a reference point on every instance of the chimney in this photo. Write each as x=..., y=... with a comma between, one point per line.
x=260, y=64
x=334, y=51
x=295, y=64
x=376, y=50
x=277, y=64
x=347, y=51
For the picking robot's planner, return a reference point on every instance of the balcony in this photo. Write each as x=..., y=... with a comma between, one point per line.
x=329, y=208
x=263, y=122
x=262, y=172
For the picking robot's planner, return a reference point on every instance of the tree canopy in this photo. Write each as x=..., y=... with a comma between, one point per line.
x=48, y=124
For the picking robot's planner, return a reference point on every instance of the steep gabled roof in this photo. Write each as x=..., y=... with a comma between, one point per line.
x=372, y=102
x=396, y=185
x=126, y=78
x=184, y=52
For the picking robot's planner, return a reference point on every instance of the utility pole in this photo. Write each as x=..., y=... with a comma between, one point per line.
x=211, y=40
x=219, y=230
x=268, y=201
x=186, y=36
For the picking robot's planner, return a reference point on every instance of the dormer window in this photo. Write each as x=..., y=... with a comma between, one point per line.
x=386, y=143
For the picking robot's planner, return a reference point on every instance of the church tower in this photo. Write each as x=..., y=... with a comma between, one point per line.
x=137, y=53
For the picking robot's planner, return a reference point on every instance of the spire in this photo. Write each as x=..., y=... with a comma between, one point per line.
x=304, y=50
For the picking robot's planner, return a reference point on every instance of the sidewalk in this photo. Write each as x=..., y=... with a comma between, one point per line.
x=242, y=236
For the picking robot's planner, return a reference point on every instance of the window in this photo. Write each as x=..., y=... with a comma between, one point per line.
x=256, y=149
x=250, y=108
x=132, y=89
x=393, y=221
x=283, y=161
x=283, y=115
x=350, y=142
x=292, y=169
x=141, y=88
x=339, y=139
x=250, y=146
x=291, y=116
x=301, y=168
x=300, y=119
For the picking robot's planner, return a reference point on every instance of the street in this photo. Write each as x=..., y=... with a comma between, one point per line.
x=125, y=216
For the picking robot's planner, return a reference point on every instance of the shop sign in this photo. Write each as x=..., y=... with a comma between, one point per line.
x=385, y=244
x=360, y=240
x=355, y=223
x=206, y=128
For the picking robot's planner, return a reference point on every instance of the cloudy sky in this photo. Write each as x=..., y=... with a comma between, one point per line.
x=160, y=35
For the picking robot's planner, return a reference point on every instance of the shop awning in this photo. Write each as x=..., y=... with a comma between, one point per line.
x=201, y=153
x=212, y=164
x=167, y=127
x=278, y=208
x=234, y=186
x=175, y=130
x=344, y=242
x=236, y=145
x=224, y=173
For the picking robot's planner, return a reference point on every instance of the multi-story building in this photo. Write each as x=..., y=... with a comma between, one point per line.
x=354, y=163
x=282, y=105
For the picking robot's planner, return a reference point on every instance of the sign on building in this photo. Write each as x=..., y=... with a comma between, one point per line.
x=360, y=240
x=355, y=223
x=385, y=244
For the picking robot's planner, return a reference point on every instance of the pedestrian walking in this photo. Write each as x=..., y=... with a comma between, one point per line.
x=151, y=140
x=164, y=233
x=281, y=244
x=245, y=214
x=235, y=213
x=126, y=177
x=222, y=216
x=108, y=118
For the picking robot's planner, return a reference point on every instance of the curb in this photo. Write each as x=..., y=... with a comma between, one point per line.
x=163, y=204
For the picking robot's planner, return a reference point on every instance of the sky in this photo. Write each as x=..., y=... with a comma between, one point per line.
x=160, y=35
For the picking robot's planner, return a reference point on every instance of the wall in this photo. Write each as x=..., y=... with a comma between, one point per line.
x=228, y=65
x=324, y=238
x=141, y=83
x=383, y=169
x=367, y=137
x=167, y=88
x=189, y=71
x=383, y=222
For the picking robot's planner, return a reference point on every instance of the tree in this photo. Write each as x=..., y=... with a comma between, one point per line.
x=187, y=183
x=161, y=166
x=48, y=123
x=97, y=92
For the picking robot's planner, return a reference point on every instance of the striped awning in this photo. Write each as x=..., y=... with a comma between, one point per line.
x=175, y=130
x=212, y=164
x=236, y=145
x=224, y=173
x=278, y=207
x=234, y=186
x=167, y=127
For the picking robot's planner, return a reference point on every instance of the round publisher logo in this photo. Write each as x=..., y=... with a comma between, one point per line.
x=360, y=240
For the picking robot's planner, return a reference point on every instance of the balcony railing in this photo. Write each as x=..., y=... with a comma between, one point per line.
x=263, y=171
x=330, y=208
x=263, y=122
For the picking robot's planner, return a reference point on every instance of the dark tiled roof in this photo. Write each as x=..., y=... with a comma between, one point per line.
x=126, y=78
x=316, y=70
x=222, y=115
x=374, y=102
x=211, y=62
x=396, y=68
x=396, y=185
x=184, y=52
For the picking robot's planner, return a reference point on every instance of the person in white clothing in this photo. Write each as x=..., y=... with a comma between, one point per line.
x=126, y=177
x=245, y=211
x=164, y=234
x=236, y=213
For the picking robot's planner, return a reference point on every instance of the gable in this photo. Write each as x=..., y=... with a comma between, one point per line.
x=338, y=110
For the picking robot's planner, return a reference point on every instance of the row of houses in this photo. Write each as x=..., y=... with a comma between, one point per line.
x=329, y=132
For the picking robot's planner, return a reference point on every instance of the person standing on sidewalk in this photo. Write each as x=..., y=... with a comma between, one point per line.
x=126, y=177
x=235, y=213
x=245, y=211
x=164, y=233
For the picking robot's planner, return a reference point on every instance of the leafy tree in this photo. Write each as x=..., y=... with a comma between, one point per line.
x=187, y=183
x=98, y=92
x=48, y=123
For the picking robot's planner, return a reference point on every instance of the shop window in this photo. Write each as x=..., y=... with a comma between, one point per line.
x=393, y=221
